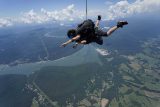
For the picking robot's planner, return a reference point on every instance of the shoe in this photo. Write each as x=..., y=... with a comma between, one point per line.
x=122, y=23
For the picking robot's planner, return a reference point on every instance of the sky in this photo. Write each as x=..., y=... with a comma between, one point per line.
x=14, y=7
x=15, y=12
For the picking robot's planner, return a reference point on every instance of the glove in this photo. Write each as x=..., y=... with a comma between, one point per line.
x=99, y=17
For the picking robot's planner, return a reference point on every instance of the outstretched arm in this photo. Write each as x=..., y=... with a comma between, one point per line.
x=98, y=21
x=70, y=41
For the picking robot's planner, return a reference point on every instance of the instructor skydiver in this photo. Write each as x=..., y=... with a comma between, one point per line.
x=88, y=32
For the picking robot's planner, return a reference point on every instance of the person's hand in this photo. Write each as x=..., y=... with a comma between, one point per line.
x=63, y=45
x=99, y=17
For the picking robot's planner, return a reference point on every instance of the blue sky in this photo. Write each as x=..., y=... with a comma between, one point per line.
x=43, y=11
x=15, y=7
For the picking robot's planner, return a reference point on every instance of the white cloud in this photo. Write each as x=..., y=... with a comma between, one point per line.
x=113, y=11
x=32, y=17
x=103, y=52
x=67, y=14
x=105, y=28
x=4, y=22
x=124, y=8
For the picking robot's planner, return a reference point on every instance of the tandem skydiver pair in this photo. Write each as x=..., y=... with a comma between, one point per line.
x=88, y=32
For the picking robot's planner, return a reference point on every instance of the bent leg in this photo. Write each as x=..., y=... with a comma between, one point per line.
x=111, y=30
x=119, y=24
x=108, y=33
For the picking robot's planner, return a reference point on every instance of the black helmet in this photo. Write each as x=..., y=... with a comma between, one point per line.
x=71, y=33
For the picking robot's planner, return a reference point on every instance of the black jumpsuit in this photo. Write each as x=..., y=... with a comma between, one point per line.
x=90, y=33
